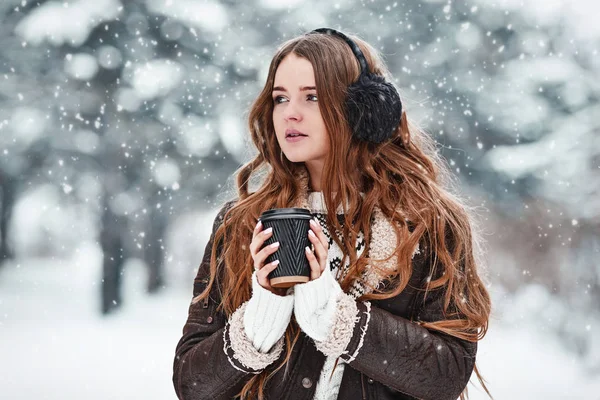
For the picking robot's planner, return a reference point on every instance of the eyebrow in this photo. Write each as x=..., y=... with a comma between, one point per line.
x=302, y=88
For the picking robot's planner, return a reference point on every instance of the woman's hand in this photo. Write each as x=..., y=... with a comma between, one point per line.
x=259, y=256
x=319, y=240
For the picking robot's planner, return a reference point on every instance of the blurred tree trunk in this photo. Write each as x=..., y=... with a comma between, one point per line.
x=8, y=188
x=154, y=250
x=112, y=243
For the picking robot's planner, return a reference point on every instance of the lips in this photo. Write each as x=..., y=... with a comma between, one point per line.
x=294, y=133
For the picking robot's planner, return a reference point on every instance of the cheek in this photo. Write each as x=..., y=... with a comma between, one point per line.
x=323, y=135
x=276, y=120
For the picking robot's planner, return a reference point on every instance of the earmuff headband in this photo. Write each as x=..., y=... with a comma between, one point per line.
x=373, y=106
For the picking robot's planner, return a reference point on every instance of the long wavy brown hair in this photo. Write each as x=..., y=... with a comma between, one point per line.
x=405, y=173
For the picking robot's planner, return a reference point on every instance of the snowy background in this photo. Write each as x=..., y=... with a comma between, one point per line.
x=121, y=123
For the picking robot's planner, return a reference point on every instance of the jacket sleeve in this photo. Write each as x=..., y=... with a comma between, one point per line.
x=214, y=358
x=402, y=354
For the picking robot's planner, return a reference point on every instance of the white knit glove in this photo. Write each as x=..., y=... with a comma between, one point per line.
x=315, y=305
x=267, y=316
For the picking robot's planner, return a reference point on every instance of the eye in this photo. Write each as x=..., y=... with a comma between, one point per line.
x=312, y=96
x=277, y=99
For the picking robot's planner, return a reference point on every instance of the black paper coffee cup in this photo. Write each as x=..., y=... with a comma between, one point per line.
x=290, y=229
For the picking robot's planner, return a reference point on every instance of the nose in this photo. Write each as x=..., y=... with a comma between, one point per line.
x=291, y=112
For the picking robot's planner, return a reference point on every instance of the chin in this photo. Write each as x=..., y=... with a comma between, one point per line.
x=295, y=158
x=303, y=157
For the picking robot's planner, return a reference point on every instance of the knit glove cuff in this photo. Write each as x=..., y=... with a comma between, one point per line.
x=267, y=316
x=240, y=351
x=315, y=305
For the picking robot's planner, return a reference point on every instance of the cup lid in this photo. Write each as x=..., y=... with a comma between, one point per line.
x=277, y=213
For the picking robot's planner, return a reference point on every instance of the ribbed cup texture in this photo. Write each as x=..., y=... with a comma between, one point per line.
x=292, y=235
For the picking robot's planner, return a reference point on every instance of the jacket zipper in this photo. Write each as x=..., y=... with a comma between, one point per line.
x=362, y=383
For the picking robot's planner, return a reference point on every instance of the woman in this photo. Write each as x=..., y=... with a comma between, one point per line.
x=394, y=306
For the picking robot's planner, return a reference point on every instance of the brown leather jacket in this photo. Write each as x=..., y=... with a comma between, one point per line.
x=399, y=359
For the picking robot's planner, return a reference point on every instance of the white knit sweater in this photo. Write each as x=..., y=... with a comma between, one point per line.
x=266, y=315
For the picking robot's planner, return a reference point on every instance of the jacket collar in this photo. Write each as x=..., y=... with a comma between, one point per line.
x=383, y=240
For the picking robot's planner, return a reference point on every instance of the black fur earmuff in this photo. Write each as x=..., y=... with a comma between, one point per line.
x=373, y=106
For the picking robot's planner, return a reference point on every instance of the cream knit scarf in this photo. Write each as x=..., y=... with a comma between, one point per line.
x=383, y=243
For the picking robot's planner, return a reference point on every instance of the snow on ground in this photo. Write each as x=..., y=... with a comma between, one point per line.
x=54, y=344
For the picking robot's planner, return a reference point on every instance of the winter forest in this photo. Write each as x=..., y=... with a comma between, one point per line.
x=123, y=121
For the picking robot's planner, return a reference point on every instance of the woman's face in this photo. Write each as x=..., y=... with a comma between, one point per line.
x=296, y=107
